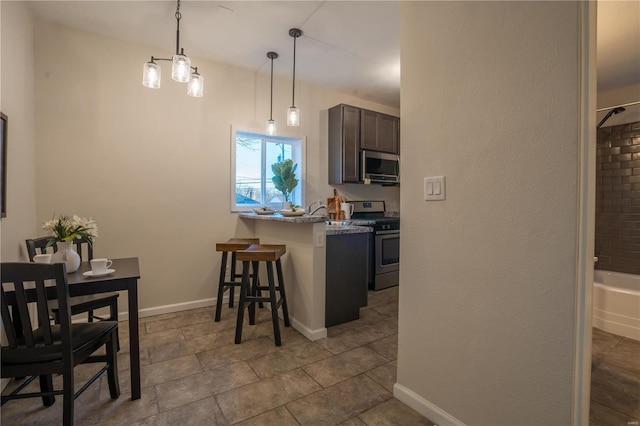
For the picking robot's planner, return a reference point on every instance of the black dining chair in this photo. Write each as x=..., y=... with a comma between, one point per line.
x=79, y=304
x=38, y=348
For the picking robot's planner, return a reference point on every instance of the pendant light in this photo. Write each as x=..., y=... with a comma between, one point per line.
x=180, y=69
x=293, y=113
x=271, y=124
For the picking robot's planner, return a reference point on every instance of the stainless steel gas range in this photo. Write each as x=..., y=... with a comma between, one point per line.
x=384, y=245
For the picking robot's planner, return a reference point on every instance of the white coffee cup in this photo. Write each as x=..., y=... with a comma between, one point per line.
x=347, y=208
x=42, y=258
x=100, y=266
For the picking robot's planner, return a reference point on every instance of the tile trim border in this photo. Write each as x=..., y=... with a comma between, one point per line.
x=424, y=407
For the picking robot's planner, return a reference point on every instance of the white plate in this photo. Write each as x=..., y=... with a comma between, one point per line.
x=102, y=274
x=260, y=211
x=284, y=212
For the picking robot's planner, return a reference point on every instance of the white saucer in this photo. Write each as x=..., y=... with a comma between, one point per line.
x=102, y=274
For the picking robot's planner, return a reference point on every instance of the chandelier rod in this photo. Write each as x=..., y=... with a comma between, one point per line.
x=178, y=17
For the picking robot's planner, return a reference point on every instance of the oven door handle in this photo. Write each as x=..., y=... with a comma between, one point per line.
x=395, y=231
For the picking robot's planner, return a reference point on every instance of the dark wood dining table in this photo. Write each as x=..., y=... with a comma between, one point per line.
x=124, y=278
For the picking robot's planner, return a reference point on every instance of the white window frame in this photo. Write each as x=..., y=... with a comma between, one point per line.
x=300, y=172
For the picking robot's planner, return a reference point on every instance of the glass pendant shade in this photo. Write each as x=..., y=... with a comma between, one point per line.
x=181, y=69
x=151, y=75
x=271, y=127
x=196, y=85
x=293, y=116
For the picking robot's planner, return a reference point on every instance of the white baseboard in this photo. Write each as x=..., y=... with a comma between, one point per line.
x=424, y=407
x=307, y=332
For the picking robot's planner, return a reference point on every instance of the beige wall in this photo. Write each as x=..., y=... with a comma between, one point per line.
x=18, y=103
x=152, y=166
x=487, y=293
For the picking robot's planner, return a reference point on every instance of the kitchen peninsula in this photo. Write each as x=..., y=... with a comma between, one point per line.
x=304, y=266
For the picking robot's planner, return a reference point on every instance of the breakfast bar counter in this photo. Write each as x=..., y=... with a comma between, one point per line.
x=303, y=265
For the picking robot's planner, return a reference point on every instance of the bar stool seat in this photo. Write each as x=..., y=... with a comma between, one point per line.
x=230, y=246
x=250, y=294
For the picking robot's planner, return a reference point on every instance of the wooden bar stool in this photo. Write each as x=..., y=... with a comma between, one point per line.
x=249, y=295
x=232, y=245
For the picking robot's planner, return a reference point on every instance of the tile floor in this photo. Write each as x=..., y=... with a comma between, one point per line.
x=193, y=374
x=615, y=380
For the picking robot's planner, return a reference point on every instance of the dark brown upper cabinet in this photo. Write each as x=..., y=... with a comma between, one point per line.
x=352, y=130
x=344, y=144
x=379, y=132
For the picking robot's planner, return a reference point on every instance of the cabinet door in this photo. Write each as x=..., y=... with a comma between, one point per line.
x=388, y=131
x=368, y=130
x=379, y=132
x=350, y=144
x=344, y=144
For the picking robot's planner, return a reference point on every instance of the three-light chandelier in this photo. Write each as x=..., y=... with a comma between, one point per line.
x=180, y=69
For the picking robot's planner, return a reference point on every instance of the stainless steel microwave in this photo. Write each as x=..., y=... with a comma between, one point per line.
x=380, y=167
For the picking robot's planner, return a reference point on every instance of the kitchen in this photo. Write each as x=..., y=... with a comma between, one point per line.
x=177, y=153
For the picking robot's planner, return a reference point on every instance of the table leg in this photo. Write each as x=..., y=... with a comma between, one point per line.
x=134, y=340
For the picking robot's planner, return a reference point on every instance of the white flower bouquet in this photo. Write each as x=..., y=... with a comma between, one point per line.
x=70, y=228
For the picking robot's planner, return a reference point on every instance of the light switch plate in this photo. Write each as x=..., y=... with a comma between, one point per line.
x=434, y=188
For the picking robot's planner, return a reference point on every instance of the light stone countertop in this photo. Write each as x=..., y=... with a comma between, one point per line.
x=349, y=229
x=279, y=218
x=355, y=227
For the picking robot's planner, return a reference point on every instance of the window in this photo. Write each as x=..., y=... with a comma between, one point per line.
x=252, y=184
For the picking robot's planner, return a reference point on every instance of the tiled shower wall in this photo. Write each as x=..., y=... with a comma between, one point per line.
x=617, y=239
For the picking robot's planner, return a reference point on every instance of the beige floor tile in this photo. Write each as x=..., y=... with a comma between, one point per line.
x=280, y=417
x=198, y=386
x=209, y=341
x=387, y=309
x=233, y=353
x=385, y=375
x=169, y=370
x=191, y=368
x=32, y=412
x=393, y=412
x=157, y=317
x=351, y=339
x=120, y=411
x=278, y=362
x=202, y=412
x=344, y=366
x=167, y=351
x=250, y=400
x=354, y=421
x=338, y=403
x=124, y=359
x=124, y=378
x=210, y=327
x=387, y=347
x=183, y=319
x=160, y=338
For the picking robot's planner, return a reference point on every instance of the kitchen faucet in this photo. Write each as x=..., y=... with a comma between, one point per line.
x=320, y=206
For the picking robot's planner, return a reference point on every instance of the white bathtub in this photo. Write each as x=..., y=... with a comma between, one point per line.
x=616, y=303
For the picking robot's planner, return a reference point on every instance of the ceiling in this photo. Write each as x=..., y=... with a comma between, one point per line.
x=350, y=46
